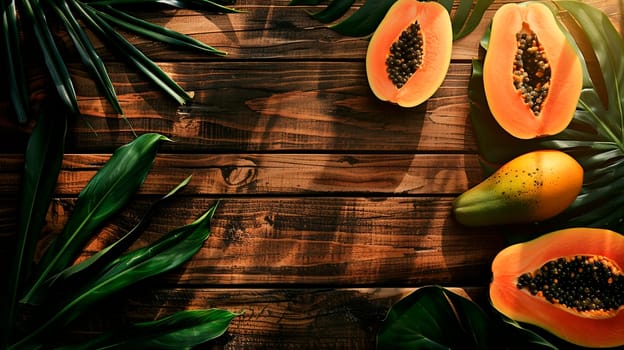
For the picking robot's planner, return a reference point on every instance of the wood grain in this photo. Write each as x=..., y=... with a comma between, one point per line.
x=334, y=205
x=281, y=318
x=276, y=174
x=339, y=241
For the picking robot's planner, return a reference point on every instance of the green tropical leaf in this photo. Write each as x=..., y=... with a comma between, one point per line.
x=333, y=11
x=42, y=163
x=105, y=194
x=434, y=318
x=145, y=65
x=466, y=21
x=520, y=338
x=12, y=54
x=74, y=274
x=366, y=19
x=595, y=137
x=203, y=4
x=153, y=31
x=88, y=55
x=169, y=252
x=182, y=330
x=52, y=57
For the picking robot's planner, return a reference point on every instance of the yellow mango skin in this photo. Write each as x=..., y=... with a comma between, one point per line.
x=530, y=188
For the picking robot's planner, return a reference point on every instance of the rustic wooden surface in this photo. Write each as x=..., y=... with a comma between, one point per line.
x=334, y=204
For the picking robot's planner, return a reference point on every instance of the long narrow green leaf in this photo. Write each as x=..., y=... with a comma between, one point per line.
x=169, y=252
x=333, y=11
x=52, y=57
x=154, y=31
x=14, y=70
x=182, y=330
x=87, y=53
x=151, y=70
x=103, y=196
x=201, y=4
x=42, y=163
x=89, y=267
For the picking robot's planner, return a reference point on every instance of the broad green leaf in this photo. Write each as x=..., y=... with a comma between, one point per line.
x=42, y=163
x=104, y=195
x=434, y=318
x=12, y=53
x=520, y=338
x=74, y=274
x=465, y=25
x=333, y=11
x=169, y=252
x=182, y=330
x=365, y=20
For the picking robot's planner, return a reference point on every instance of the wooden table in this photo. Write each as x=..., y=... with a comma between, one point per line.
x=334, y=204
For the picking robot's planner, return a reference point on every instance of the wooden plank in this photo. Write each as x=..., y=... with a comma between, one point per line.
x=260, y=106
x=288, y=318
x=276, y=174
x=277, y=31
x=319, y=241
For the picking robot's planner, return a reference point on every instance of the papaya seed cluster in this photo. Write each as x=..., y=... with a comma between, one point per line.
x=583, y=283
x=531, y=71
x=406, y=55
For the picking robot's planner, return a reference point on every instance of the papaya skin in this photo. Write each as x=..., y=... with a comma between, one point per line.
x=437, y=34
x=594, y=331
x=530, y=188
x=505, y=102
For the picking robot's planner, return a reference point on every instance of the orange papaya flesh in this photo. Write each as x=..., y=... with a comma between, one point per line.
x=410, y=52
x=568, y=282
x=532, y=75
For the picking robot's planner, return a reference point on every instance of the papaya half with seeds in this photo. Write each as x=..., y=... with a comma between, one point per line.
x=530, y=188
x=409, y=53
x=532, y=75
x=569, y=282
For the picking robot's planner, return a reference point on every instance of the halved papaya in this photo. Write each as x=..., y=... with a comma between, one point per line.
x=532, y=75
x=410, y=52
x=568, y=282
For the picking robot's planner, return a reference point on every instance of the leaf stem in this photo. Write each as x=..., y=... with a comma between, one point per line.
x=602, y=125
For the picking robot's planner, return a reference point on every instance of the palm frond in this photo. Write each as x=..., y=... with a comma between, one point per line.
x=89, y=56
x=51, y=55
x=153, y=31
x=12, y=54
x=103, y=18
x=363, y=21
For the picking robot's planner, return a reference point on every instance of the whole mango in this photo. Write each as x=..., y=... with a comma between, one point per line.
x=529, y=188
